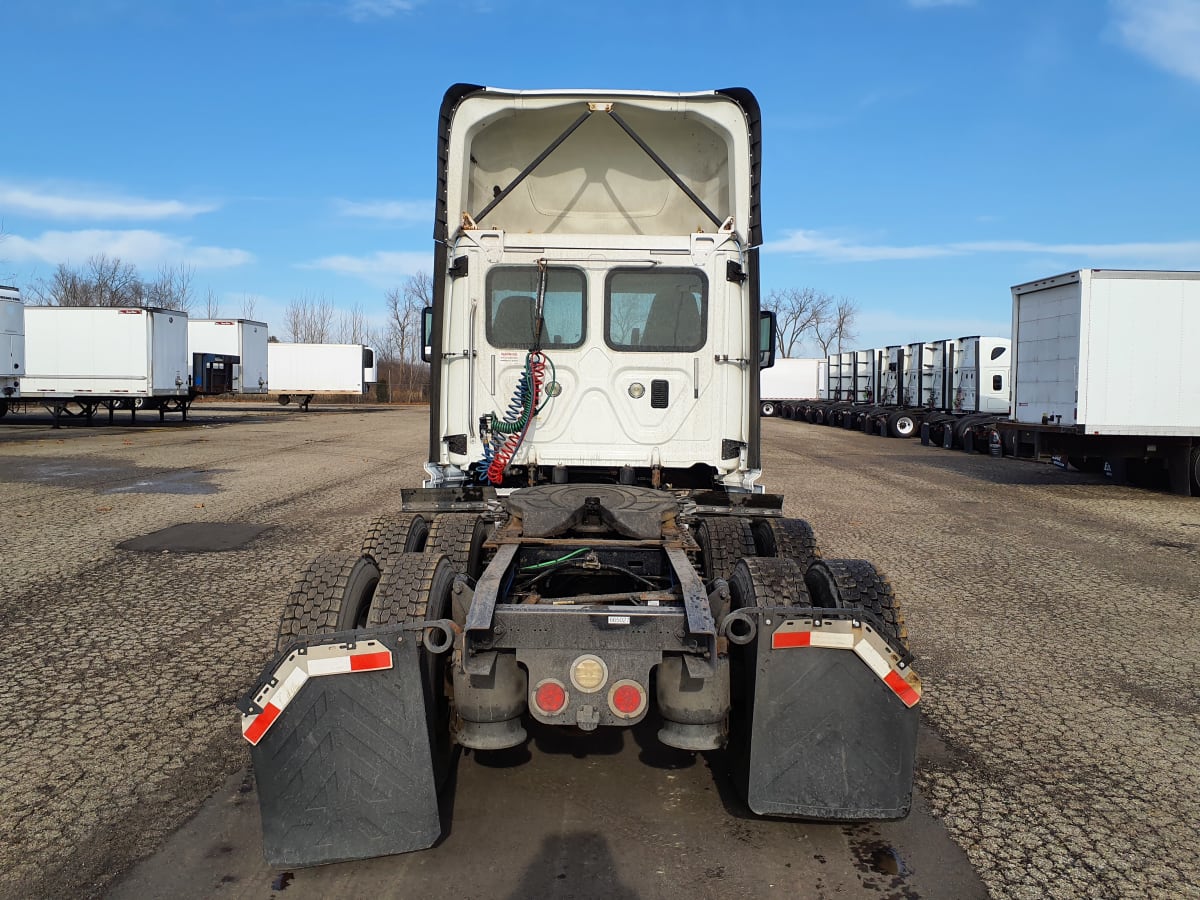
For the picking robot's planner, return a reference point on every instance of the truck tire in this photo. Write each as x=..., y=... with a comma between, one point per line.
x=389, y=535
x=460, y=536
x=413, y=588
x=1195, y=469
x=333, y=594
x=902, y=425
x=285, y=399
x=767, y=408
x=723, y=541
x=3, y=408
x=786, y=538
x=841, y=583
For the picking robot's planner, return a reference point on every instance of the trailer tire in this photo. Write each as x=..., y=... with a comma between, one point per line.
x=460, y=536
x=1195, y=469
x=389, y=535
x=786, y=538
x=3, y=408
x=902, y=425
x=767, y=408
x=333, y=594
x=842, y=583
x=414, y=588
x=285, y=399
x=723, y=541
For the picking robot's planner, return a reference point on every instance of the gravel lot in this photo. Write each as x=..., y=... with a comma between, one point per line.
x=1054, y=619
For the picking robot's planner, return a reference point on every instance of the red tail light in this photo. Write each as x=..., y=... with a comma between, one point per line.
x=550, y=697
x=627, y=699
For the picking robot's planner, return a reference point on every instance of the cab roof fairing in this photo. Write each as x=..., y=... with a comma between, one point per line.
x=599, y=181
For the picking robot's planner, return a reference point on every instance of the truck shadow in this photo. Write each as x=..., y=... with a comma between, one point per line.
x=576, y=864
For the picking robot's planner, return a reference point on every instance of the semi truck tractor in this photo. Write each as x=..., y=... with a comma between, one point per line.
x=12, y=346
x=592, y=547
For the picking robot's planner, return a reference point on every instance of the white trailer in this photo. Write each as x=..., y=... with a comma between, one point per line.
x=227, y=356
x=84, y=358
x=303, y=370
x=12, y=346
x=788, y=381
x=1104, y=372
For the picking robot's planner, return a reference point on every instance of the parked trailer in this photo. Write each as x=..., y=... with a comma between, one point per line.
x=82, y=359
x=787, y=383
x=12, y=346
x=972, y=384
x=300, y=371
x=591, y=546
x=227, y=356
x=1104, y=373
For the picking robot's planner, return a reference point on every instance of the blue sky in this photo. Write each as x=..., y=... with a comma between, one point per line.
x=920, y=156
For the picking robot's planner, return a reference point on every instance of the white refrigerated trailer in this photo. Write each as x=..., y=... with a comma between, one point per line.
x=81, y=359
x=1104, y=372
x=788, y=381
x=12, y=346
x=301, y=371
x=227, y=356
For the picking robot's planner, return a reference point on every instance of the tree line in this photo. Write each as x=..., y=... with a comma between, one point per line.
x=808, y=317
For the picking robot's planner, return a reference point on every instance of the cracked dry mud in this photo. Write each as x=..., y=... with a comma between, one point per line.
x=1054, y=618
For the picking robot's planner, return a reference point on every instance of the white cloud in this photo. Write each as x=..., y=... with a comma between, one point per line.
x=140, y=247
x=391, y=210
x=835, y=249
x=367, y=10
x=1166, y=32
x=930, y=4
x=59, y=203
x=383, y=268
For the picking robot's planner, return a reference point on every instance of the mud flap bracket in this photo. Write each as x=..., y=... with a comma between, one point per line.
x=344, y=770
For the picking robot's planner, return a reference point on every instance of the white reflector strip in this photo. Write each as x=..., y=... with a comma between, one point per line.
x=832, y=640
x=337, y=665
x=296, y=669
x=872, y=658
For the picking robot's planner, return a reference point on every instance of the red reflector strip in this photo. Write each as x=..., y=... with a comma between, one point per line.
x=261, y=723
x=781, y=640
x=902, y=688
x=367, y=662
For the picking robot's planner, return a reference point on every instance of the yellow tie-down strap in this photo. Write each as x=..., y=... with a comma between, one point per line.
x=858, y=636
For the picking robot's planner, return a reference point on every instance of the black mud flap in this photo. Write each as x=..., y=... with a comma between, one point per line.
x=344, y=771
x=829, y=739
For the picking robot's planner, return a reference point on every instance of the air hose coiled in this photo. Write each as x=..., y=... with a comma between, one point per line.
x=509, y=433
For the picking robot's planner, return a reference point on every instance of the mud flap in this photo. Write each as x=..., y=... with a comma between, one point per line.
x=829, y=739
x=344, y=769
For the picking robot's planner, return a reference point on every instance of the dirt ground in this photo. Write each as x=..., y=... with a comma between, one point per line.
x=1054, y=618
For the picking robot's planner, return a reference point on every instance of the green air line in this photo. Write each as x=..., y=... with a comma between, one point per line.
x=555, y=562
x=502, y=427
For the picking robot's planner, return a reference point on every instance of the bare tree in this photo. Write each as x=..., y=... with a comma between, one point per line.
x=407, y=375
x=835, y=326
x=172, y=289
x=212, y=307
x=309, y=319
x=797, y=311
x=249, y=304
x=101, y=281
x=353, y=327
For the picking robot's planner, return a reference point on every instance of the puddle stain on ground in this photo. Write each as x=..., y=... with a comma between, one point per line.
x=880, y=865
x=106, y=476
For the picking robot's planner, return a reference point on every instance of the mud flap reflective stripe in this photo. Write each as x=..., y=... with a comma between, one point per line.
x=344, y=769
x=297, y=666
x=856, y=635
x=830, y=737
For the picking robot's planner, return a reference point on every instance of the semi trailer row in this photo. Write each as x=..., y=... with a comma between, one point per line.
x=951, y=386
x=1102, y=372
x=77, y=361
x=591, y=547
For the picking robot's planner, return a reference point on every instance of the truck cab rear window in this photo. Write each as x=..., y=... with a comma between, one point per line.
x=656, y=310
x=511, y=298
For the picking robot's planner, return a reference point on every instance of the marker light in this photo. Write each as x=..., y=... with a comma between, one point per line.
x=637, y=390
x=588, y=673
x=627, y=699
x=550, y=696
